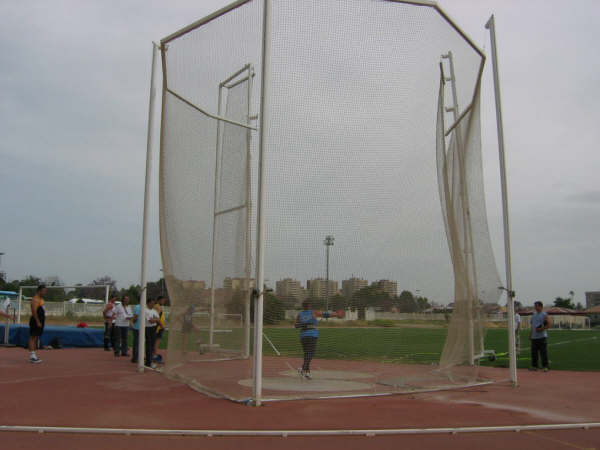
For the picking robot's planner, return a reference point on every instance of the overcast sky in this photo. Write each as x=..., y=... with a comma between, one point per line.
x=73, y=111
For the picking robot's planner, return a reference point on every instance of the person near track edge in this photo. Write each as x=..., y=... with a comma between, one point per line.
x=540, y=322
x=307, y=323
x=36, y=322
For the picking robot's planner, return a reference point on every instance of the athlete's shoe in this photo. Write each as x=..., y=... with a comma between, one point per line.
x=546, y=369
x=307, y=375
x=35, y=360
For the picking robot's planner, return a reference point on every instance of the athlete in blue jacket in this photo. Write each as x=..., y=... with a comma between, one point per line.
x=308, y=336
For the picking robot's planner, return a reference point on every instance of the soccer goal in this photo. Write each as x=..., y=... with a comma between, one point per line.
x=287, y=122
x=78, y=300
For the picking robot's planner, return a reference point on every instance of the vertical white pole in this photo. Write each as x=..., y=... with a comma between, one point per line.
x=467, y=235
x=260, y=257
x=214, y=228
x=142, y=316
x=106, y=293
x=248, y=218
x=19, y=305
x=490, y=25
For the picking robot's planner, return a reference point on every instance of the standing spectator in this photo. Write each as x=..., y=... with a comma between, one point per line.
x=160, y=328
x=309, y=334
x=123, y=315
x=540, y=322
x=517, y=331
x=4, y=309
x=152, y=320
x=150, y=330
x=36, y=322
x=109, y=318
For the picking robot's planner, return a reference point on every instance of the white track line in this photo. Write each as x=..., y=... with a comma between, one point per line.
x=286, y=433
x=553, y=344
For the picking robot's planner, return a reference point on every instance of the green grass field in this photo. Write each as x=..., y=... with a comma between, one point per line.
x=568, y=349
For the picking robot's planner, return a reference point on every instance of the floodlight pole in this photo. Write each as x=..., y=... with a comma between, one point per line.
x=328, y=242
x=260, y=225
x=146, y=220
x=490, y=25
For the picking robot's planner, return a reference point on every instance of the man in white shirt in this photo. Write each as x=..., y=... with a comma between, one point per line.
x=123, y=315
x=4, y=309
x=109, y=318
x=152, y=319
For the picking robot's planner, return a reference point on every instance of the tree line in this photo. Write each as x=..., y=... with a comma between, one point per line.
x=89, y=290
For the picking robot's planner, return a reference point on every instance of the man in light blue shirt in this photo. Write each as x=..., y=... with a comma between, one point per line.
x=540, y=322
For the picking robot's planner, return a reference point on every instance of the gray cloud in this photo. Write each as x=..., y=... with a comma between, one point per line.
x=73, y=115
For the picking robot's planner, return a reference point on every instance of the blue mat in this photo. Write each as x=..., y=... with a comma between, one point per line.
x=67, y=336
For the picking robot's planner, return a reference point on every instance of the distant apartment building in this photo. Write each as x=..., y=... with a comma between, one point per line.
x=592, y=299
x=352, y=285
x=289, y=288
x=317, y=288
x=237, y=283
x=387, y=286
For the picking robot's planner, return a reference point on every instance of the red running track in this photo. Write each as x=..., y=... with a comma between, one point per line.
x=92, y=388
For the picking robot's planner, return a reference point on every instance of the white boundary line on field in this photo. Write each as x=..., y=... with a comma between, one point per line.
x=286, y=433
x=554, y=344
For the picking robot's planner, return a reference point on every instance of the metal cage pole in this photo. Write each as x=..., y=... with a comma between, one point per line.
x=19, y=305
x=260, y=225
x=248, y=217
x=146, y=220
x=214, y=227
x=490, y=25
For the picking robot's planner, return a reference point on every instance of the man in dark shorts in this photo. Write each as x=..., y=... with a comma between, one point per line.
x=36, y=322
x=160, y=328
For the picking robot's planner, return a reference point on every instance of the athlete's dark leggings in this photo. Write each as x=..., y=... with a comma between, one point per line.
x=309, y=345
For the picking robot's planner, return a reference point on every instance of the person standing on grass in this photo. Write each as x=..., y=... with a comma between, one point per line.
x=160, y=328
x=123, y=315
x=36, y=322
x=540, y=322
x=109, y=318
x=309, y=334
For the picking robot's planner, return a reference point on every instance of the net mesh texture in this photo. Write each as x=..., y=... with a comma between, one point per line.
x=356, y=148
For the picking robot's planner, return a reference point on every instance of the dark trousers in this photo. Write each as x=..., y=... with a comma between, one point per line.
x=136, y=342
x=121, y=340
x=109, y=335
x=309, y=346
x=541, y=346
x=150, y=340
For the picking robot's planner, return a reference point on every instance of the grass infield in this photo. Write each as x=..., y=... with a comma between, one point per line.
x=567, y=349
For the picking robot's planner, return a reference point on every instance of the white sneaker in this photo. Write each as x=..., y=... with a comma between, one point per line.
x=307, y=375
x=153, y=366
x=35, y=360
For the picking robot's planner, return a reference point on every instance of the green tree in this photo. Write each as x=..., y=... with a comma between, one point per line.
x=274, y=311
x=563, y=303
x=407, y=302
x=369, y=297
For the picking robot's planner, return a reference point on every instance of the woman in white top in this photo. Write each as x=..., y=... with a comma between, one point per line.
x=123, y=315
